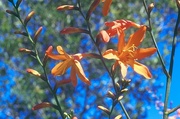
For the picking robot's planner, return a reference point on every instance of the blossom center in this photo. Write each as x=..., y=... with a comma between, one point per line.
x=128, y=53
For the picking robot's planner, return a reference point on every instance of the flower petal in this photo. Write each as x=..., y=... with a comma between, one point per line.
x=111, y=54
x=80, y=73
x=121, y=40
x=140, y=69
x=136, y=38
x=123, y=69
x=73, y=75
x=106, y=7
x=144, y=52
x=61, y=51
x=53, y=56
x=104, y=36
x=61, y=67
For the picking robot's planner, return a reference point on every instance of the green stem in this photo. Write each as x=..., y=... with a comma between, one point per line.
x=168, y=85
x=40, y=62
x=154, y=41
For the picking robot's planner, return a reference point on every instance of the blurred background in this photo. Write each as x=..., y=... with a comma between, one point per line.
x=19, y=91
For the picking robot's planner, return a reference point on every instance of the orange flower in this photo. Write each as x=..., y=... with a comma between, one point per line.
x=68, y=61
x=106, y=7
x=128, y=53
x=115, y=26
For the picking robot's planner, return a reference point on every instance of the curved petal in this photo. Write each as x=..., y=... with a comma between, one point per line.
x=62, y=52
x=73, y=75
x=121, y=40
x=111, y=54
x=140, y=69
x=61, y=67
x=80, y=73
x=123, y=69
x=104, y=36
x=136, y=38
x=53, y=56
x=144, y=52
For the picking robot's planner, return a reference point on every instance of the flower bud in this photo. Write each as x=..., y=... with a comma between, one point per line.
x=24, y=50
x=118, y=117
x=34, y=72
x=111, y=95
x=18, y=3
x=92, y=8
x=28, y=17
x=12, y=13
x=67, y=7
x=106, y=7
x=21, y=33
x=178, y=3
x=120, y=98
x=104, y=109
x=150, y=7
x=124, y=90
x=42, y=105
x=71, y=30
x=37, y=34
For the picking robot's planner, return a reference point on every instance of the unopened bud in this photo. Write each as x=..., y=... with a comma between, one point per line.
x=124, y=90
x=18, y=3
x=71, y=30
x=34, y=72
x=117, y=85
x=37, y=34
x=28, y=17
x=178, y=3
x=67, y=7
x=111, y=95
x=150, y=7
x=24, y=50
x=104, y=109
x=118, y=117
x=120, y=98
x=42, y=105
x=92, y=8
x=12, y=13
x=21, y=33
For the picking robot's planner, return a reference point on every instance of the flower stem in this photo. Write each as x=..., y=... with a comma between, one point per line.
x=40, y=62
x=168, y=85
x=102, y=60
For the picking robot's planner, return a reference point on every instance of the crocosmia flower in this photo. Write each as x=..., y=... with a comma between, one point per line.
x=128, y=53
x=113, y=27
x=68, y=61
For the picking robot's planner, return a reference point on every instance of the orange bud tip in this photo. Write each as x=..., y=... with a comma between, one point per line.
x=24, y=50
x=37, y=33
x=103, y=35
x=28, y=17
x=34, y=72
x=67, y=7
x=92, y=8
x=106, y=7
